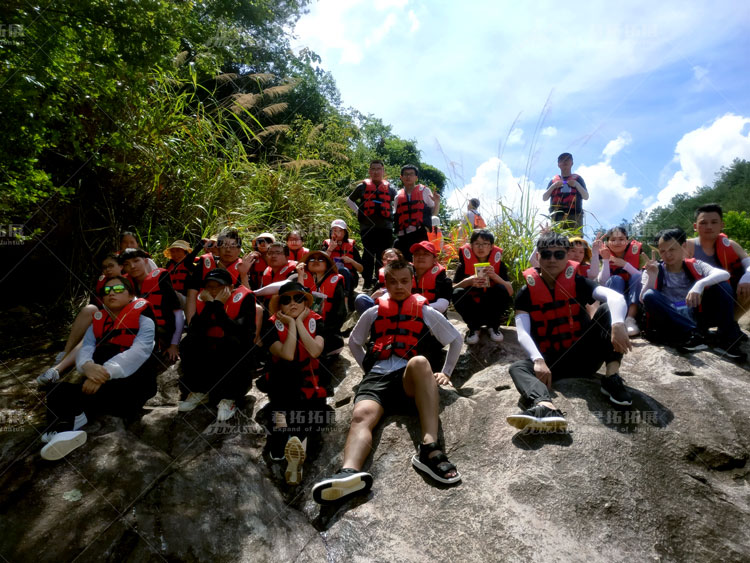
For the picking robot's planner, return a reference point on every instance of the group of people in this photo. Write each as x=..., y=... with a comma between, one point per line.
x=277, y=312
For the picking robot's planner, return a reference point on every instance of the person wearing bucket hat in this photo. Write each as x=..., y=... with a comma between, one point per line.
x=180, y=266
x=397, y=376
x=317, y=272
x=346, y=255
x=217, y=352
x=372, y=200
x=293, y=336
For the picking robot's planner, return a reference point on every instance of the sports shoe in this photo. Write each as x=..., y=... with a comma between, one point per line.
x=294, y=452
x=49, y=376
x=62, y=443
x=731, y=351
x=472, y=337
x=226, y=411
x=78, y=422
x=694, y=343
x=539, y=417
x=346, y=482
x=632, y=327
x=277, y=445
x=192, y=401
x=613, y=387
x=496, y=335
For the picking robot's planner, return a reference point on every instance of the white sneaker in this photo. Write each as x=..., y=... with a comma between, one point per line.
x=62, y=443
x=632, y=326
x=472, y=337
x=79, y=422
x=192, y=401
x=227, y=409
x=49, y=376
x=496, y=335
x=294, y=452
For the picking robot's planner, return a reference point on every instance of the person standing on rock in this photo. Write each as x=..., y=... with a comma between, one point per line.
x=416, y=211
x=566, y=193
x=560, y=338
x=373, y=201
x=683, y=297
x=396, y=376
x=116, y=361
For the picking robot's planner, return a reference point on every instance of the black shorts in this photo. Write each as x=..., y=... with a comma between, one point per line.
x=385, y=389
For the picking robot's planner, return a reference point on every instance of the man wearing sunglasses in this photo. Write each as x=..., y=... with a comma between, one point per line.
x=560, y=338
x=397, y=377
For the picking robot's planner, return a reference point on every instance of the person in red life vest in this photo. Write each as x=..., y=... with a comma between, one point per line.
x=181, y=263
x=561, y=340
x=396, y=377
x=585, y=256
x=217, y=352
x=416, y=211
x=346, y=255
x=297, y=399
x=279, y=267
x=118, y=368
x=472, y=220
x=431, y=280
x=229, y=244
x=566, y=193
x=684, y=297
x=156, y=288
x=713, y=247
x=66, y=359
x=128, y=240
x=364, y=301
x=373, y=200
x=622, y=260
x=294, y=249
x=318, y=273
x=482, y=296
x=257, y=258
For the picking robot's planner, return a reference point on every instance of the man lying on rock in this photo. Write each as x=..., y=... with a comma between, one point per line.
x=396, y=376
x=561, y=339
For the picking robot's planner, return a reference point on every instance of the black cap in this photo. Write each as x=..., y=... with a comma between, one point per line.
x=218, y=275
x=293, y=287
x=129, y=253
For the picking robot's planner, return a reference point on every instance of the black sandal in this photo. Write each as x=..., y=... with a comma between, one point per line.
x=436, y=466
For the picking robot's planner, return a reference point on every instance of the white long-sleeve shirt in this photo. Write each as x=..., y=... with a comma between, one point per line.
x=125, y=363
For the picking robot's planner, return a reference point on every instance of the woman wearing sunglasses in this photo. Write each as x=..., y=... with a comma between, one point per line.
x=318, y=273
x=118, y=368
x=293, y=336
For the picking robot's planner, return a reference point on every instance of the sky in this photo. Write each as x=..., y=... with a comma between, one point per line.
x=651, y=98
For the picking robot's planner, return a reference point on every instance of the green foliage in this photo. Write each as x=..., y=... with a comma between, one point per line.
x=737, y=227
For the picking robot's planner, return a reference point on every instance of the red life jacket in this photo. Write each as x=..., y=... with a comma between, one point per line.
x=398, y=328
x=566, y=202
x=122, y=330
x=327, y=286
x=495, y=258
x=688, y=266
x=414, y=212
x=555, y=321
x=151, y=291
x=310, y=384
x=208, y=263
x=381, y=277
x=582, y=269
x=727, y=257
x=427, y=285
x=632, y=256
x=346, y=248
x=178, y=273
x=377, y=199
x=296, y=255
x=231, y=307
x=269, y=277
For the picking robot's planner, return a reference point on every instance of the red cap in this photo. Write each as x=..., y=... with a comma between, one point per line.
x=424, y=245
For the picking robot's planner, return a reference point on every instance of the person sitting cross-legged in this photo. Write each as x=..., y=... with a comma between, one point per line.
x=396, y=376
x=560, y=338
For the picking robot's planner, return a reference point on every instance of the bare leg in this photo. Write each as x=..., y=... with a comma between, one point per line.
x=80, y=325
x=366, y=415
x=741, y=307
x=69, y=361
x=633, y=310
x=419, y=382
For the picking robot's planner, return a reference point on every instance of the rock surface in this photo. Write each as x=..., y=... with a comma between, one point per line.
x=664, y=481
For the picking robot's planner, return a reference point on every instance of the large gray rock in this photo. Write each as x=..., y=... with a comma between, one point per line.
x=665, y=481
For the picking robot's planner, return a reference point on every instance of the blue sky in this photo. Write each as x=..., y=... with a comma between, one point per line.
x=651, y=98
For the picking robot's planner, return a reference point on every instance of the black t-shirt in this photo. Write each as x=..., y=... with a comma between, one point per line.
x=240, y=331
x=375, y=221
x=271, y=335
x=460, y=274
x=579, y=198
x=443, y=286
x=584, y=294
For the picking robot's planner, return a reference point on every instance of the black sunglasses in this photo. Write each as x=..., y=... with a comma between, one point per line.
x=266, y=240
x=558, y=254
x=107, y=289
x=286, y=299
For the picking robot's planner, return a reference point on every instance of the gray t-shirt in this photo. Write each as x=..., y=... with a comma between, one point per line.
x=677, y=285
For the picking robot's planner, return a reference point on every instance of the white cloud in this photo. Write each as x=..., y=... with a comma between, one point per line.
x=515, y=137
x=382, y=5
x=383, y=29
x=616, y=145
x=414, y=21
x=703, y=151
x=609, y=194
x=549, y=132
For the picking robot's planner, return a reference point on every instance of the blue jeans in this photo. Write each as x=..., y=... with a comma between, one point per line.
x=717, y=310
x=363, y=302
x=630, y=290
